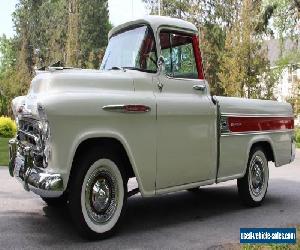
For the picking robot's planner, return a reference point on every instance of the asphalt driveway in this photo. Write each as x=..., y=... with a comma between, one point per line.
x=209, y=219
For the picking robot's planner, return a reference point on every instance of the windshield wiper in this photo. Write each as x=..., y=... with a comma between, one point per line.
x=139, y=69
x=116, y=68
x=133, y=68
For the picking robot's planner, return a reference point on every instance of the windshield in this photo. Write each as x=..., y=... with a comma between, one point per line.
x=133, y=49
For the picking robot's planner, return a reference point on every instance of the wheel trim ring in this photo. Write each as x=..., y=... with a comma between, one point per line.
x=102, y=228
x=100, y=217
x=258, y=192
x=257, y=175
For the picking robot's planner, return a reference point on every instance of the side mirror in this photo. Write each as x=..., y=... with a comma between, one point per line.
x=161, y=64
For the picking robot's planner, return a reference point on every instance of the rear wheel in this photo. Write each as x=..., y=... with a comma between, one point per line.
x=98, y=194
x=253, y=186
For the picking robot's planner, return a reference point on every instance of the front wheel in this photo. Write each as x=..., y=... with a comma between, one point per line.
x=252, y=188
x=98, y=194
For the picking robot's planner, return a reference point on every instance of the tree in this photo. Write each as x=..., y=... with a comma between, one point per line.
x=94, y=27
x=209, y=16
x=17, y=56
x=221, y=24
x=7, y=63
x=244, y=61
x=72, y=31
x=285, y=16
x=51, y=36
x=72, y=37
x=87, y=33
x=174, y=8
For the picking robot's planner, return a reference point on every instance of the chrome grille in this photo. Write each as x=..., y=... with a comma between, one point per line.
x=29, y=133
x=29, y=126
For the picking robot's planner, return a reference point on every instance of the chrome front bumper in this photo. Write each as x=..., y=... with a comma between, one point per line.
x=34, y=179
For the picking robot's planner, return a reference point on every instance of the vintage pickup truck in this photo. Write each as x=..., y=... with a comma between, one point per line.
x=147, y=113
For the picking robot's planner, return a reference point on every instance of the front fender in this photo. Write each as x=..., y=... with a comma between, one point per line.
x=140, y=151
x=121, y=139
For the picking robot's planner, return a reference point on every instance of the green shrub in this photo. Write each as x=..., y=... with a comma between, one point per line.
x=298, y=135
x=8, y=127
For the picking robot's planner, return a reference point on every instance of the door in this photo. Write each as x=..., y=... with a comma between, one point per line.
x=186, y=117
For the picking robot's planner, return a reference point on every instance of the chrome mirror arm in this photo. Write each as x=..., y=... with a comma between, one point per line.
x=161, y=64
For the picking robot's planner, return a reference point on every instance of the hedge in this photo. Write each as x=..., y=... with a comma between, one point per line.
x=8, y=127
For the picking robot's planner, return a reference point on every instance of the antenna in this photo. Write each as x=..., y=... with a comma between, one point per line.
x=158, y=7
x=131, y=8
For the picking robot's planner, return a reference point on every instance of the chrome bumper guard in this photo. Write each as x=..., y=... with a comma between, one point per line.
x=34, y=179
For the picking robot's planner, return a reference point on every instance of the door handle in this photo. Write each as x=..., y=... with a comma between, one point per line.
x=200, y=87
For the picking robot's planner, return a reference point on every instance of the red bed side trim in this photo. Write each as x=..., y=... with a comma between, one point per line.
x=247, y=124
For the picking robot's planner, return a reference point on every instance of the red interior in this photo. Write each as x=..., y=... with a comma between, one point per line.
x=147, y=46
x=180, y=39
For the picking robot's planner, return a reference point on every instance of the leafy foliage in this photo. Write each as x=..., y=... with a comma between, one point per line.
x=244, y=61
x=298, y=135
x=88, y=25
x=232, y=34
x=231, y=40
x=46, y=33
x=94, y=27
x=10, y=78
x=8, y=127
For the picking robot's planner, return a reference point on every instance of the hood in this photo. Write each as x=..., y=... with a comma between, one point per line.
x=70, y=81
x=80, y=80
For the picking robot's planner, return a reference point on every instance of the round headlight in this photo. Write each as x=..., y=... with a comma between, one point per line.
x=45, y=134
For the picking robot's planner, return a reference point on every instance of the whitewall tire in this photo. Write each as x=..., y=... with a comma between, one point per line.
x=253, y=186
x=98, y=194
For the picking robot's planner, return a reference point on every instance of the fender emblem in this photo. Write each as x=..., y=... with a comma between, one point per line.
x=235, y=124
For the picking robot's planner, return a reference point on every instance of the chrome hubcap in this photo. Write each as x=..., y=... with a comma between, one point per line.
x=257, y=175
x=101, y=196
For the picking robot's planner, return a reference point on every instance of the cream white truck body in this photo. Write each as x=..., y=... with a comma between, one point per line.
x=176, y=144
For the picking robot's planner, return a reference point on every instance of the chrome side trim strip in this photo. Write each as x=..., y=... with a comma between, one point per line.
x=114, y=108
x=130, y=108
x=257, y=132
x=255, y=115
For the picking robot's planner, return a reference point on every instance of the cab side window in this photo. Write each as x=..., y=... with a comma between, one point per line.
x=177, y=50
x=166, y=50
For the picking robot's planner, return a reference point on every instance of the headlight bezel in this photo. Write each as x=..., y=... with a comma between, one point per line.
x=45, y=134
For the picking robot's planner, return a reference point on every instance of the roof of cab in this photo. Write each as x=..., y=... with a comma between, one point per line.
x=155, y=22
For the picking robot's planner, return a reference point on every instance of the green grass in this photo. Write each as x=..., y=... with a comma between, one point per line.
x=297, y=134
x=4, y=151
